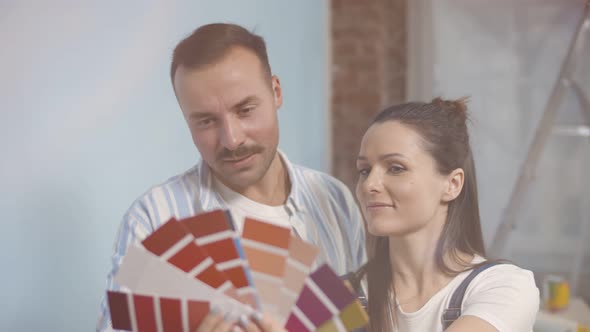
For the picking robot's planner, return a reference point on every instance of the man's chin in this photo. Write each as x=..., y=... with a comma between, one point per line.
x=240, y=179
x=242, y=174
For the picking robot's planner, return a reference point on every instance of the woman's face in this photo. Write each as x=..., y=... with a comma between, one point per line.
x=399, y=187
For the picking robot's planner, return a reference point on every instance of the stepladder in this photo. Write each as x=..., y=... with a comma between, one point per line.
x=564, y=83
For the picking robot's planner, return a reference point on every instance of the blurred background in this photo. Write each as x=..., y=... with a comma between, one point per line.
x=89, y=121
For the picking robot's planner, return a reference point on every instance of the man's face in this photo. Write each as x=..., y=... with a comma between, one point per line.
x=231, y=110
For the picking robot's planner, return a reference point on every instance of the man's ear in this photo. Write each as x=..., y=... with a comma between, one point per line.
x=277, y=91
x=454, y=185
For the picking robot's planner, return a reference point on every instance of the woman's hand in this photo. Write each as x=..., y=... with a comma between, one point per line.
x=216, y=321
x=262, y=323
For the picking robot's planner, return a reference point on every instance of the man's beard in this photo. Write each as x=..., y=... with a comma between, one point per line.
x=239, y=153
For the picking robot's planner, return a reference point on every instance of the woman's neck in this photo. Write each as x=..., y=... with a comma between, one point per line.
x=415, y=270
x=413, y=259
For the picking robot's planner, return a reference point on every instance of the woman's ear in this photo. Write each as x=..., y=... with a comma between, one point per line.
x=455, y=182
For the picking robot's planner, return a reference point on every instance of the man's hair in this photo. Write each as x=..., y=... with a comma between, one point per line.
x=210, y=43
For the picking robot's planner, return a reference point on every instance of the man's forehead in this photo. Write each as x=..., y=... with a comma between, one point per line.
x=236, y=62
x=214, y=105
x=219, y=79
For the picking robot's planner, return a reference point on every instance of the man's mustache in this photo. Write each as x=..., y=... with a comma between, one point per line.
x=241, y=152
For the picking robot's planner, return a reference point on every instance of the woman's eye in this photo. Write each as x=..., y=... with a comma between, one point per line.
x=364, y=171
x=395, y=169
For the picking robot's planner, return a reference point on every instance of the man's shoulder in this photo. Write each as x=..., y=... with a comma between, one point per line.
x=173, y=189
x=188, y=178
x=311, y=176
x=322, y=186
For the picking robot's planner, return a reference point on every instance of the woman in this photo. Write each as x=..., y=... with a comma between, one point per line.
x=418, y=194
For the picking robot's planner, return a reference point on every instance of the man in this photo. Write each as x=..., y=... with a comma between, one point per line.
x=229, y=99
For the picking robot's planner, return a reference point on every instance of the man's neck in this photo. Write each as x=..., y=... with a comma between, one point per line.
x=274, y=187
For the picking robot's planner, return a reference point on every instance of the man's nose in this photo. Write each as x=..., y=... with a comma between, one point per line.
x=232, y=134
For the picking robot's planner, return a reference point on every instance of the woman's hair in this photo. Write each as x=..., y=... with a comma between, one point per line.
x=442, y=125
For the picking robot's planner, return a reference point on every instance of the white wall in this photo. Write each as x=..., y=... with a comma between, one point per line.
x=88, y=122
x=506, y=55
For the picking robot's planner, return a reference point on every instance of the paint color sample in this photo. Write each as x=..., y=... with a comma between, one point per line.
x=171, y=315
x=261, y=260
x=299, y=262
x=173, y=243
x=214, y=233
x=354, y=316
x=186, y=267
x=197, y=311
x=351, y=318
x=266, y=249
x=331, y=285
x=326, y=303
x=330, y=326
x=266, y=233
x=298, y=321
x=119, y=309
x=142, y=272
x=165, y=237
x=295, y=324
x=313, y=308
x=145, y=313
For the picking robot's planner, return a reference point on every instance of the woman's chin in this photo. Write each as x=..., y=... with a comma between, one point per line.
x=381, y=230
x=378, y=229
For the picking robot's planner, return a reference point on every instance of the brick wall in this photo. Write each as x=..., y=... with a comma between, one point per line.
x=368, y=72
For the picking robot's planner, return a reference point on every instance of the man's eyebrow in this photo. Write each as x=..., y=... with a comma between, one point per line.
x=205, y=114
x=245, y=101
x=199, y=115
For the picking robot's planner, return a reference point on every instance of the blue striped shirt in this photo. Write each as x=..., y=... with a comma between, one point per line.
x=326, y=215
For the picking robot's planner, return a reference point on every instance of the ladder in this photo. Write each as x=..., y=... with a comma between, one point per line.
x=565, y=80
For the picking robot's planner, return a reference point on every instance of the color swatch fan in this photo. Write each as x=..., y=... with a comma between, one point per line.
x=170, y=281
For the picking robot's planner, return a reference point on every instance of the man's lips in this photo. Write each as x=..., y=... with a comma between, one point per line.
x=236, y=160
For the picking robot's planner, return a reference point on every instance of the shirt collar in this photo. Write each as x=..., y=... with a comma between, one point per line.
x=294, y=196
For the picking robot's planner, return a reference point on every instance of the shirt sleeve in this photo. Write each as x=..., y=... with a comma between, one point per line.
x=355, y=229
x=133, y=229
x=505, y=296
x=358, y=233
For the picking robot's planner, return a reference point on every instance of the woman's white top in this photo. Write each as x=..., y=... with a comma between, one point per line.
x=504, y=295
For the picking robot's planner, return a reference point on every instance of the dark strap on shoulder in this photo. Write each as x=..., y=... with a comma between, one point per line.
x=453, y=312
x=353, y=281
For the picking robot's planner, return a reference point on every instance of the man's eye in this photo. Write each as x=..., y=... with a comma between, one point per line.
x=204, y=122
x=246, y=110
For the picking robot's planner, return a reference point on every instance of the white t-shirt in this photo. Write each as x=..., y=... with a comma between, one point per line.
x=241, y=207
x=504, y=295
